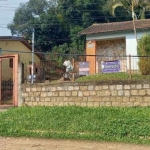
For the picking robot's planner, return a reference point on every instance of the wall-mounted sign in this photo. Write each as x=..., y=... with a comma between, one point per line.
x=90, y=44
x=110, y=66
x=84, y=68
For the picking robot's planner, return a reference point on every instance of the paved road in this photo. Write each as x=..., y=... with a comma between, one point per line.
x=46, y=144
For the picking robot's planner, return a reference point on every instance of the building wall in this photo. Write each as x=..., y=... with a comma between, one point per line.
x=25, y=56
x=18, y=48
x=130, y=44
x=111, y=49
x=129, y=36
x=91, y=50
x=125, y=94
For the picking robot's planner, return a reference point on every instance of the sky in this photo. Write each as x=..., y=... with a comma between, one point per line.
x=7, y=12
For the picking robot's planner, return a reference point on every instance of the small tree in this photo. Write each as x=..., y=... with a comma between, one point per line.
x=144, y=53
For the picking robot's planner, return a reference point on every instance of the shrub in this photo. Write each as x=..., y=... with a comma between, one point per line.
x=144, y=52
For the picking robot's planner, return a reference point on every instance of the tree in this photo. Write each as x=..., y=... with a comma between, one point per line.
x=136, y=8
x=40, y=15
x=143, y=51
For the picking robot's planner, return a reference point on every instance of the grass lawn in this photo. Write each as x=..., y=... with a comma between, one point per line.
x=130, y=125
x=112, y=77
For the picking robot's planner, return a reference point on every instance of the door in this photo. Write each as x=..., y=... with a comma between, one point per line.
x=8, y=74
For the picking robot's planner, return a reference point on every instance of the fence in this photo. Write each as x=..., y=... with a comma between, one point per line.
x=51, y=67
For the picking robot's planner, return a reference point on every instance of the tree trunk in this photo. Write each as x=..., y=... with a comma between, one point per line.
x=133, y=19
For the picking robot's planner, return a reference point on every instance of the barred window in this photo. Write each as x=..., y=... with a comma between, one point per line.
x=11, y=63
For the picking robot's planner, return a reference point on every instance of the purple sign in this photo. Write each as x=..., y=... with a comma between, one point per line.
x=84, y=68
x=110, y=66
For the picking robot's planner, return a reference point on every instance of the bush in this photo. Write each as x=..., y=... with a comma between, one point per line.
x=144, y=51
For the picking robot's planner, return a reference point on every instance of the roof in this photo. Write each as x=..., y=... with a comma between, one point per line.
x=116, y=26
x=15, y=38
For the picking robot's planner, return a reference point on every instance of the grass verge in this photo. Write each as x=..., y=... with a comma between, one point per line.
x=112, y=77
x=131, y=125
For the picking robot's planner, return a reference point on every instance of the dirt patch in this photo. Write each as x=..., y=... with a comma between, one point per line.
x=49, y=144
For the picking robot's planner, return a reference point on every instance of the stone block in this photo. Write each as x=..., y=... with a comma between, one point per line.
x=102, y=103
x=83, y=88
x=62, y=93
x=142, y=92
x=55, y=94
x=112, y=87
x=126, y=99
x=139, y=99
x=43, y=89
x=47, y=99
x=105, y=99
x=90, y=104
x=93, y=93
x=108, y=104
x=134, y=92
x=86, y=93
x=70, y=88
x=76, y=88
x=105, y=87
x=137, y=104
x=119, y=87
x=139, y=86
x=37, y=93
x=146, y=86
x=97, y=88
x=127, y=87
x=59, y=88
x=144, y=104
x=53, y=89
x=49, y=94
x=44, y=94
x=25, y=94
x=114, y=93
x=148, y=91
x=120, y=93
x=74, y=93
x=80, y=93
x=90, y=87
x=33, y=89
x=127, y=93
x=132, y=99
x=68, y=93
x=129, y=104
x=96, y=104
x=133, y=86
x=147, y=99
x=65, y=99
x=116, y=104
x=28, y=89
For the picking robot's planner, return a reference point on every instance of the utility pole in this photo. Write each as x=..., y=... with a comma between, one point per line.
x=32, y=72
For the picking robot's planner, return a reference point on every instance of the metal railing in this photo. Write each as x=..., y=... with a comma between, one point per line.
x=51, y=67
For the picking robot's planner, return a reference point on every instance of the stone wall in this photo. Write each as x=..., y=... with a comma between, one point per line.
x=87, y=94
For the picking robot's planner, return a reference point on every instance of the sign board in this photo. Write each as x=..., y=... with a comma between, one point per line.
x=84, y=68
x=30, y=78
x=110, y=66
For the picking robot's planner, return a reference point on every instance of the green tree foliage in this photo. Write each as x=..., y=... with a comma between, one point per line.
x=144, y=50
x=57, y=22
x=140, y=7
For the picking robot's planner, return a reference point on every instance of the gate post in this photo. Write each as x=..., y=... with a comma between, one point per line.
x=20, y=100
x=15, y=79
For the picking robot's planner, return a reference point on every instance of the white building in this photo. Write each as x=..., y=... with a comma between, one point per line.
x=114, y=41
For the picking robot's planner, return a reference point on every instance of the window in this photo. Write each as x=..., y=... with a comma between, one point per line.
x=11, y=63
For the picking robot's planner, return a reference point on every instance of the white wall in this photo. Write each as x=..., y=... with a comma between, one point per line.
x=131, y=46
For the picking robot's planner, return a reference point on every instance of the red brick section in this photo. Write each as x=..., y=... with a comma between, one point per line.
x=116, y=26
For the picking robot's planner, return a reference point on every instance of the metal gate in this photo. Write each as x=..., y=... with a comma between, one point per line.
x=9, y=80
